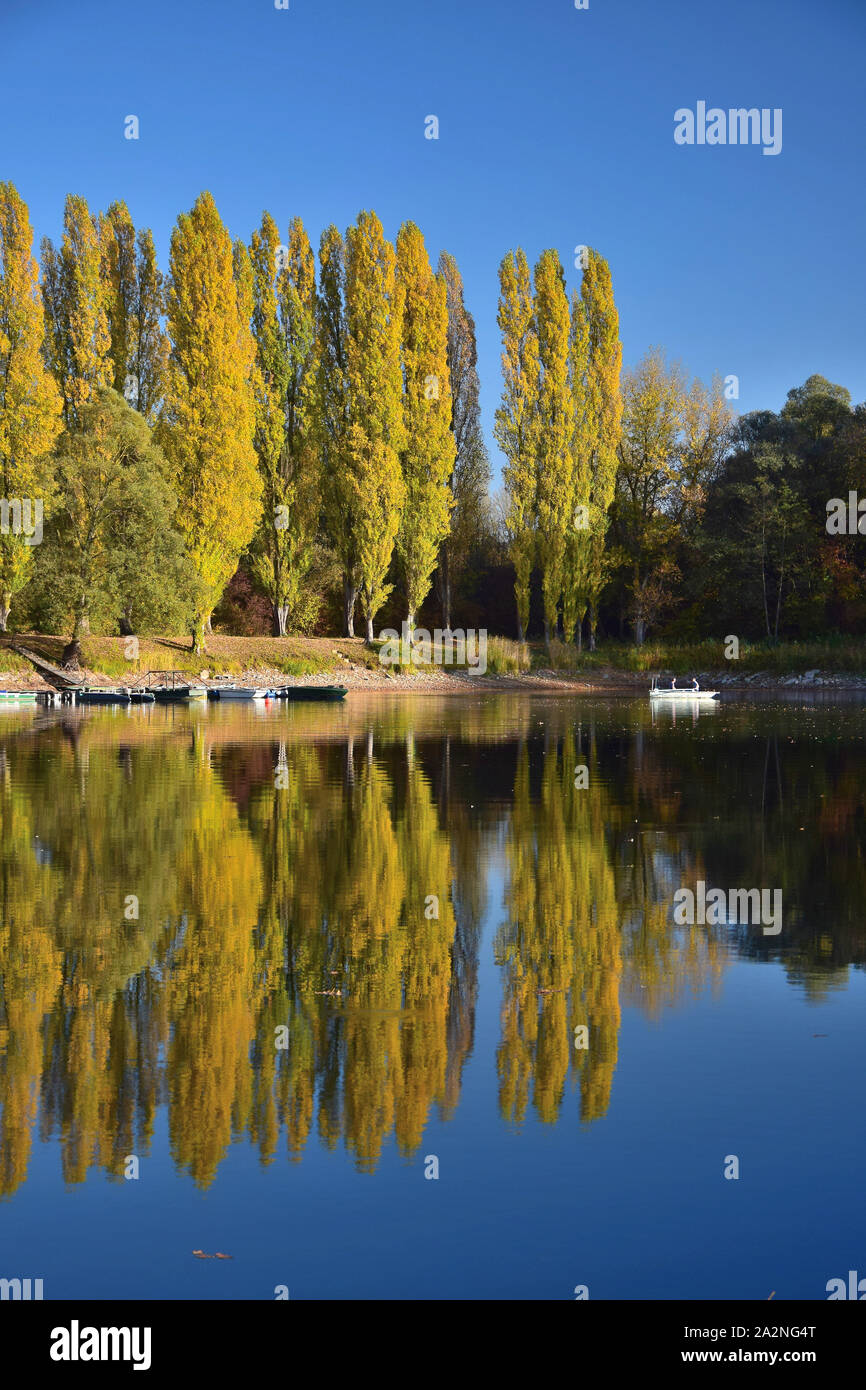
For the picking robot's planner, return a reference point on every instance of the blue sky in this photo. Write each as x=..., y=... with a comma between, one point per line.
x=556, y=129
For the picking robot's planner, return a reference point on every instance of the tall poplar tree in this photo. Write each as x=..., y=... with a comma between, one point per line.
x=429, y=451
x=209, y=419
x=374, y=312
x=553, y=459
x=78, y=340
x=471, y=472
x=135, y=305
x=333, y=417
x=517, y=420
x=30, y=402
x=284, y=325
x=596, y=366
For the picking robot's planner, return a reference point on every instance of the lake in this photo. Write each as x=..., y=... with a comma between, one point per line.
x=390, y=1000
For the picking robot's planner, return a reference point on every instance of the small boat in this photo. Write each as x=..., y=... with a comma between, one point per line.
x=101, y=695
x=178, y=694
x=167, y=687
x=671, y=693
x=18, y=697
x=308, y=692
x=237, y=692
x=112, y=695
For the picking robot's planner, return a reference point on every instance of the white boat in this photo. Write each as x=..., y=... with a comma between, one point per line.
x=687, y=693
x=238, y=692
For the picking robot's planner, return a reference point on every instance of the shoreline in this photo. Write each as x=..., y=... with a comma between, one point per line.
x=609, y=682
x=317, y=661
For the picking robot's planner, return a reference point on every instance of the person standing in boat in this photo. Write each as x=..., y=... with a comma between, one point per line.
x=673, y=682
x=695, y=683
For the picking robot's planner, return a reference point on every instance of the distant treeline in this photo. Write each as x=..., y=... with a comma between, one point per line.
x=263, y=437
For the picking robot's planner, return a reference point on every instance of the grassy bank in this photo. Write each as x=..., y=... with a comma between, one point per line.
x=846, y=656
x=114, y=659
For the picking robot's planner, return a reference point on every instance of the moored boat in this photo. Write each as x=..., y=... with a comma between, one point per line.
x=687, y=693
x=101, y=695
x=168, y=687
x=178, y=694
x=112, y=695
x=18, y=697
x=308, y=692
x=238, y=692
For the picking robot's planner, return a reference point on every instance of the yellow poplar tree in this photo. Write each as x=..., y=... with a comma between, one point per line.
x=430, y=451
x=515, y=428
x=333, y=416
x=135, y=303
x=209, y=419
x=554, y=506
x=29, y=399
x=595, y=378
x=374, y=311
x=78, y=340
x=284, y=324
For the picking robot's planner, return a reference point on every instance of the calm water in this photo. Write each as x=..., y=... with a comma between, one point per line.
x=287, y=1037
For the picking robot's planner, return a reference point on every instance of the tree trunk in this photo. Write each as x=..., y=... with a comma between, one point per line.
x=520, y=634
x=82, y=621
x=593, y=620
x=207, y=626
x=198, y=631
x=280, y=619
x=71, y=658
x=370, y=631
x=764, y=585
x=350, y=594
x=547, y=634
x=5, y=609
x=578, y=634
x=445, y=587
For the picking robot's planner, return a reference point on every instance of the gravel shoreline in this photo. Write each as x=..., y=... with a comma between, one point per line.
x=356, y=677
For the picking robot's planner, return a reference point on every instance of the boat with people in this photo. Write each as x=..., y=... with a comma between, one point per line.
x=675, y=692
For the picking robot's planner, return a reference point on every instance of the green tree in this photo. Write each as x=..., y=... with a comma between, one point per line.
x=554, y=504
x=429, y=450
x=333, y=417
x=111, y=549
x=374, y=311
x=29, y=399
x=470, y=475
x=284, y=325
x=516, y=427
x=75, y=295
x=135, y=304
x=596, y=363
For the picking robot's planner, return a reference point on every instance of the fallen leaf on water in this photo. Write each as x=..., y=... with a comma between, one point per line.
x=200, y=1255
x=221, y=1256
